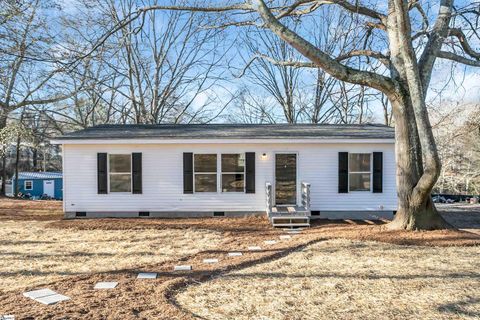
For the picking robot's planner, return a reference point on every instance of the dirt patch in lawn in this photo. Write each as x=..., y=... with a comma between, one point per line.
x=157, y=298
x=18, y=209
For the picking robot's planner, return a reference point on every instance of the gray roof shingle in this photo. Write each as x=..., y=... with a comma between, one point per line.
x=233, y=131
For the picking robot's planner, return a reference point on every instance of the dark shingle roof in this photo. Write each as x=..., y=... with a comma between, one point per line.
x=233, y=131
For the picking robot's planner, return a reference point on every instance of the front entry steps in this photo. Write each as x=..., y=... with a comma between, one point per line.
x=291, y=217
x=290, y=221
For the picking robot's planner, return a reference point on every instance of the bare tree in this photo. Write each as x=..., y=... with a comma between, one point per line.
x=412, y=42
x=31, y=66
x=305, y=95
x=166, y=65
x=457, y=130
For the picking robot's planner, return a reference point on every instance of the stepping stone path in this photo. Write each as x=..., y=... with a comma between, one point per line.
x=147, y=275
x=270, y=242
x=105, y=285
x=286, y=236
x=210, y=260
x=182, y=268
x=235, y=254
x=294, y=231
x=45, y=296
x=254, y=248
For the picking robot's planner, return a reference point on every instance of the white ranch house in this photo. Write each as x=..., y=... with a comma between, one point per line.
x=291, y=172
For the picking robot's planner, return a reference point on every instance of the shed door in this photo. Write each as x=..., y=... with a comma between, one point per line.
x=49, y=188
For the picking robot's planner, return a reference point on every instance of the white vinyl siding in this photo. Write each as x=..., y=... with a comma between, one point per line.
x=163, y=177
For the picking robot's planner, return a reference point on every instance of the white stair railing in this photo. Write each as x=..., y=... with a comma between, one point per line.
x=306, y=195
x=268, y=197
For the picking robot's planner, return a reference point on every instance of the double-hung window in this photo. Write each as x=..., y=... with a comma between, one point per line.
x=28, y=185
x=233, y=172
x=120, y=172
x=205, y=172
x=359, y=171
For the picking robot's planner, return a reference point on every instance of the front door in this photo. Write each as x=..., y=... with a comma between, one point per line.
x=285, y=179
x=49, y=188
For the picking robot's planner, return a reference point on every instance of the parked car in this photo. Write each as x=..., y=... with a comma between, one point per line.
x=439, y=199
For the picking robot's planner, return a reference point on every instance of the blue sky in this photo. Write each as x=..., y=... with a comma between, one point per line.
x=463, y=85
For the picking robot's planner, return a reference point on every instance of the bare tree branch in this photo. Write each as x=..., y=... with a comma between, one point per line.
x=455, y=57
x=321, y=59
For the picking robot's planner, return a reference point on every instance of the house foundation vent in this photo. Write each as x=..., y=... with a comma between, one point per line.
x=315, y=213
x=144, y=214
x=219, y=214
x=80, y=214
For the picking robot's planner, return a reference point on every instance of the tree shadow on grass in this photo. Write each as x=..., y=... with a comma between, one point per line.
x=460, y=307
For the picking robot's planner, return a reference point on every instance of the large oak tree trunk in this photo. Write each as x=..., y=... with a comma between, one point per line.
x=416, y=211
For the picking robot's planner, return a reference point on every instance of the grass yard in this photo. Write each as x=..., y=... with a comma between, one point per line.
x=332, y=270
x=32, y=252
x=347, y=279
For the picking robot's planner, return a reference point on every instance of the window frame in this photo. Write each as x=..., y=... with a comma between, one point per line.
x=119, y=173
x=200, y=173
x=25, y=185
x=244, y=173
x=370, y=173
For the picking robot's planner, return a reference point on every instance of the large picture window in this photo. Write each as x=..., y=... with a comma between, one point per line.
x=233, y=172
x=205, y=172
x=120, y=172
x=359, y=171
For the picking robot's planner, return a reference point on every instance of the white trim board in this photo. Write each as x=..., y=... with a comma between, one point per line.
x=225, y=141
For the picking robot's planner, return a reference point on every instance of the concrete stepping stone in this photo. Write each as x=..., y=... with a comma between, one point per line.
x=54, y=298
x=147, y=275
x=235, y=254
x=7, y=317
x=38, y=293
x=285, y=236
x=210, y=260
x=254, y=248
x=105, y=285
x=270, y=242
x=182, y=268
x=45, y=296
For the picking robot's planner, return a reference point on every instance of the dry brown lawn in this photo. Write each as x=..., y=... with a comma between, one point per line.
x=347, y=279
x=34, y=252
x=31, y=253
x=327, y=278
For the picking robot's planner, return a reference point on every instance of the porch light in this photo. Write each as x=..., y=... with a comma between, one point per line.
x=264, y=156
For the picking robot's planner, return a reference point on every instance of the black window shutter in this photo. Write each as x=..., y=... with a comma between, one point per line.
x=187, y=172
x=250, y=172
x=377, y=172
x=343, y=172
x=102, y=173
x=137, y=172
